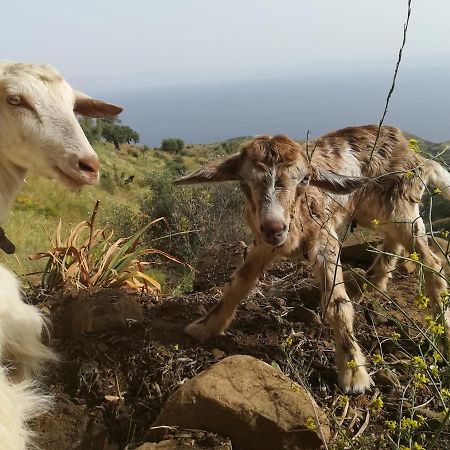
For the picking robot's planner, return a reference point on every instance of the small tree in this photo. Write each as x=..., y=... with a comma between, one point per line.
x=110, y=129
x=172, y=145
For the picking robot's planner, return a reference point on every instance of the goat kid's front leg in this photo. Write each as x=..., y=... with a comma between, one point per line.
x=238, y=287
x=338, y=312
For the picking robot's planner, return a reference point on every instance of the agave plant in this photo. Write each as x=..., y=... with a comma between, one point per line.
x=92, y=257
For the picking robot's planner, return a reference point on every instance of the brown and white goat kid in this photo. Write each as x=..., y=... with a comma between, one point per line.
x=38, y=132
x=299, y=208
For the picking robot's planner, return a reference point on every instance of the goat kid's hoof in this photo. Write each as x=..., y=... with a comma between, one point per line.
x=355, y=381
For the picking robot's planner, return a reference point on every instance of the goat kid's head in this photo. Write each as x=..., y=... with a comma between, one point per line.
x=273, y=172
x=38, y=127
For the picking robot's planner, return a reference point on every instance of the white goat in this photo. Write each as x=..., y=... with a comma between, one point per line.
x=38, y=132
x=298, y=205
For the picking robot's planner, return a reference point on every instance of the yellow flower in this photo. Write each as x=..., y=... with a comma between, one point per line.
x=434, y=370
x=414, y=256
x=377, y=404
x=391, y=425
x=418, y=362
x=437, y=329
x=445, y=296
x=377, y=358
x=414, y=145
x=176, y=347
x=310, y=423
x=429, y=320
x=343, y=400
x=437, y=191
x=445, y=393
x=444, y=233
x=417, y=446
x=409, y=174
x=288, y=341
x=409, y=423
x=420, y=379
x=395, y=336
x=375, y=222
x=421, y=420
x=352, y=364
x=421, y=301
x=437, y=357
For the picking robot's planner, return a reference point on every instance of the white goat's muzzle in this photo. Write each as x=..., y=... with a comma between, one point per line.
x=80, y=172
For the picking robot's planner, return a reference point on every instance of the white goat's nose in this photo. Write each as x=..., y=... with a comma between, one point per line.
x=89, y=165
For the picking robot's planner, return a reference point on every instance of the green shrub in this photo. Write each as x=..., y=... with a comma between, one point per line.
x=172, y=145
x=196, y=216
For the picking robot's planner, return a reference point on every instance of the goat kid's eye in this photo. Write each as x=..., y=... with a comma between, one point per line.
x=279, y=183
x=14, y=100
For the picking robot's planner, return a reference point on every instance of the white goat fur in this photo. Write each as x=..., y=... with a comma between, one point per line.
x=39, y=132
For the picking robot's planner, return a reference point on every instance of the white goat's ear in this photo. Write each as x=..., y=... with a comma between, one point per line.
x=90, y=107
x=333, y=182
x=224, y=170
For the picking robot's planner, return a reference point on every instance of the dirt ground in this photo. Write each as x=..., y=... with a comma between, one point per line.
x=110, y=386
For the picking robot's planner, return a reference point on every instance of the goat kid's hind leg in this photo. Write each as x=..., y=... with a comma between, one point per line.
x=238, y=287
x=338, y=312
x=380, y=272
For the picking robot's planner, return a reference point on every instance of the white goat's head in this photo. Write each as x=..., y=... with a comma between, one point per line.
x=273, y=172
x=38, y=127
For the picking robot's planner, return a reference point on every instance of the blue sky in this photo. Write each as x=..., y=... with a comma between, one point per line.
x=117, y=44
x=206, y=70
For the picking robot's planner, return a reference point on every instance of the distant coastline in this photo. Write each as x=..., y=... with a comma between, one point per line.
x=215, y=112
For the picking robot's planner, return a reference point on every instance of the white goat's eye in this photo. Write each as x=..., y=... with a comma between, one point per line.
x=14, y=100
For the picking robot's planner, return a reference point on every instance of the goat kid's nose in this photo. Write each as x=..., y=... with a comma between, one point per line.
x=273, y=227
x=89, y=166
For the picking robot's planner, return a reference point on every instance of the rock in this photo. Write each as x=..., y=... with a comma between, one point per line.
x=109, y=310
x=309, y=293
x=253, y=403
x=407, y=267
x=176, y=438
x=216, y=264
x=376, y=314
x=359, y=252
x=305, y=315
x=386, y=377
x=354, y=281
x=218, y=354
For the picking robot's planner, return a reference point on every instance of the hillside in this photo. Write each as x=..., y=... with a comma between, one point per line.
x=41, y=202
x=125, y=179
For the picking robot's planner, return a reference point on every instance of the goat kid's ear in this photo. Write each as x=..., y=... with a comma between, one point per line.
x=333, y=182
x=224, y=170
x=90, y=107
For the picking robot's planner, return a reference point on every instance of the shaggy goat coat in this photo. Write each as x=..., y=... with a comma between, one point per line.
x=300, y=201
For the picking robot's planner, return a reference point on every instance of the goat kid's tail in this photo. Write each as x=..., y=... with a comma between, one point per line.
x=439, y=178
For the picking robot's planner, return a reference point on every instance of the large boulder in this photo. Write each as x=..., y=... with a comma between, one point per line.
x=253, y=403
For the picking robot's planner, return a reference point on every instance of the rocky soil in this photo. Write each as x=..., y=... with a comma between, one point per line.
x=123, y=355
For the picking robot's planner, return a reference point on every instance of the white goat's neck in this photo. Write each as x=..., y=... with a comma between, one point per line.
x=11, y=180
